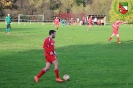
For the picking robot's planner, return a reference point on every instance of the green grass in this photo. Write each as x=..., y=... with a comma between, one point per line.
x=85, y=55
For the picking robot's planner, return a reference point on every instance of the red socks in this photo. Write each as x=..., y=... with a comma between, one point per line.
x=56, y=72
x=117, y=39
x=41, y=73
x=110, y=38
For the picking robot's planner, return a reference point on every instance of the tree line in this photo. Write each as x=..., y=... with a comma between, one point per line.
x=50, y=8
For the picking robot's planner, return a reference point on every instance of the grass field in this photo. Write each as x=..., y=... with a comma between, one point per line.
x=85, y=55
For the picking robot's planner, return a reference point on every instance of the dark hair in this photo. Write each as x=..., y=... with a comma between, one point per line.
x=51, y=32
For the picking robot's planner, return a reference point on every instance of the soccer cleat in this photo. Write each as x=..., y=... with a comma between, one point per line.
x=88, y=29
x=36, y=79
x=59, y=80
x=119, y=42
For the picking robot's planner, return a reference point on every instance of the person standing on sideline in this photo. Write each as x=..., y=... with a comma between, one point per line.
x=71, y=21
x=83, y=20
x=115, y=27
x=56, y=22
x=95, y=21
x=8, y=22
x=63, y=22
x=77, y=21
x=89, y=22
x=102, y=22
x=50, y=56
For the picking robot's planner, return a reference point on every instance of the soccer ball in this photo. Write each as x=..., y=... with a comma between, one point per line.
x=66, y=77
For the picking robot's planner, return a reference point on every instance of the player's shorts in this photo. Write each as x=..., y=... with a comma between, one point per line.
x=71, y=23
x=56, y=24
x=8, y=26
x=90, y=24
x=50, y=58
x=115, y=32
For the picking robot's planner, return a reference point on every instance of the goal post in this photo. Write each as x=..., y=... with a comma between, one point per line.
x=30, y=18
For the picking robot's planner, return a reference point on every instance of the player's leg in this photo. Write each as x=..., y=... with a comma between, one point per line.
x=55, y=62
x=63, y=24
x=72, y=23
x=77, y=23
x=9, y=26
x=118, y=38
x=56, y=70
x=111, y=37
x=47, y=67
x=57, y=26
x=90, y=25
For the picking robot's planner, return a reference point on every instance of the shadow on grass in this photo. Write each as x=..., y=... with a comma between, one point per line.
x=96, y=65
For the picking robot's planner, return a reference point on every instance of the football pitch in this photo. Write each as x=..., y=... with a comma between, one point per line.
x=86, y=56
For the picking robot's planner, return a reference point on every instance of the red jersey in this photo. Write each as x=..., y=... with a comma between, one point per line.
x=71, y=21
x=117, y=24
x=83, y=19
x=56, y=21
x=48, y=46
x=90, y=20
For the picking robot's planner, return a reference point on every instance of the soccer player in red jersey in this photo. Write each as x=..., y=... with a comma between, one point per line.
x=115, y=27
x=83, y=19
x=50, y=56
x=90, y=22
x=56, y=22
x=71, y=21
